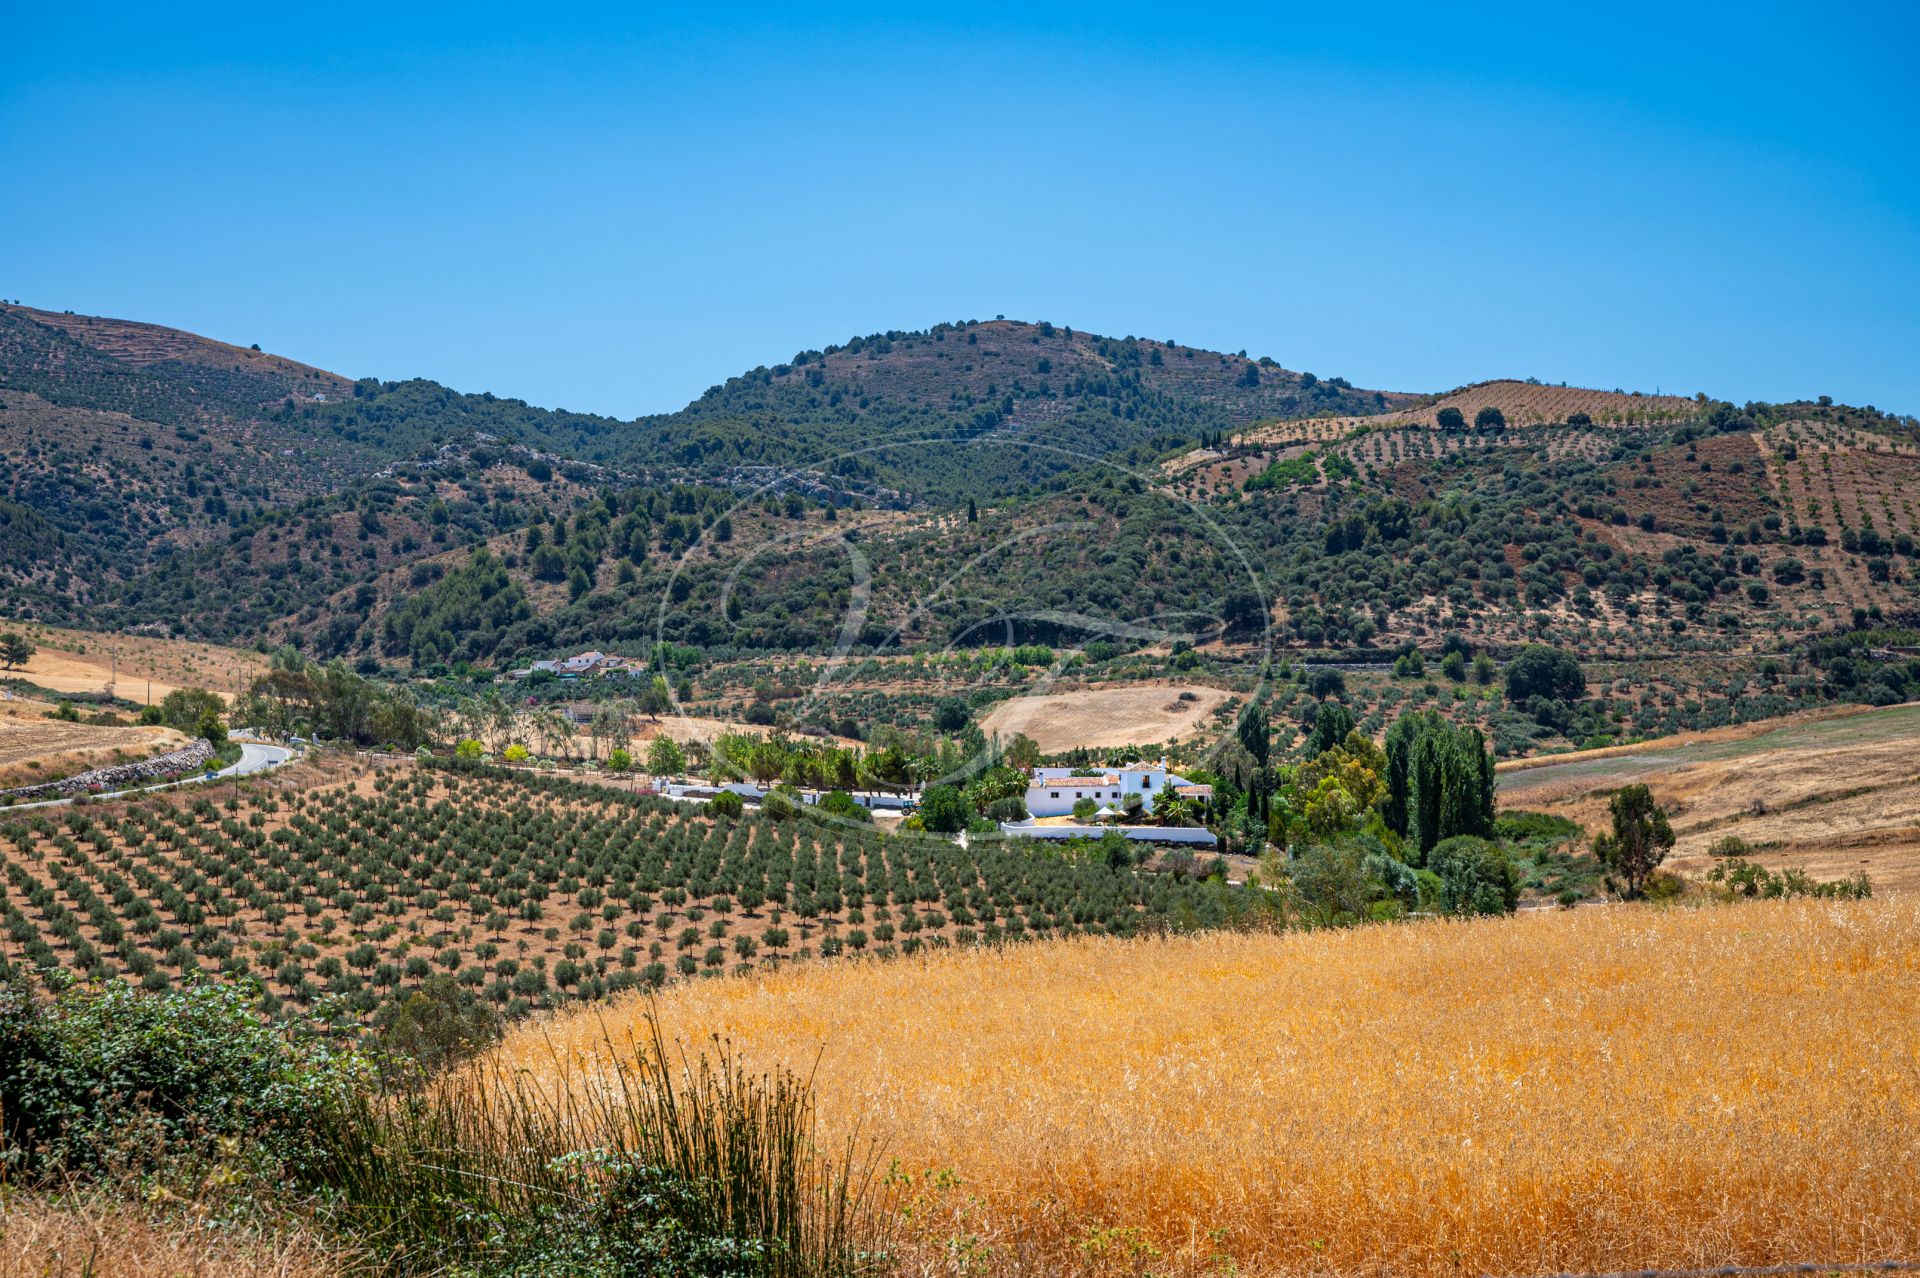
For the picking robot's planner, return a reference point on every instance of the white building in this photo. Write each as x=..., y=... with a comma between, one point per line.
x=1054, y=791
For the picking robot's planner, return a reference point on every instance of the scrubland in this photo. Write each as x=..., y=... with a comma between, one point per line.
x=1593, y=1090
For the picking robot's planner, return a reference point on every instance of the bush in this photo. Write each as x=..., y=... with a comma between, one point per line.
x=1731, y=845
x=726, y=804
x=1008, y=808
x=944, y=810
x=107, y=1077
x=839, y=803
x=1476, y=877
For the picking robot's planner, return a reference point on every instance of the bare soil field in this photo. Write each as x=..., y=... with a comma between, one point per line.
x=1098, y=718
x=83, y=661
x=36, y=748
x=1834, y=795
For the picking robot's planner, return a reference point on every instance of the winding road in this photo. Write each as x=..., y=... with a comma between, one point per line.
x=254, y=757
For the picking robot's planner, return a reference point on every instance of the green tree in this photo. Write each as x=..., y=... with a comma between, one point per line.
x=1331, y=724
x=944, y=810
x=1451, y=418
x=950, y=714
x=619, y=760
x=665, y=758
x=1640, y=840
x=15, y=651
x=1538, y=670
x=726, y=804
x=1489, y=418
x=1439, y=781
x=469, y=749
x=1476, y=877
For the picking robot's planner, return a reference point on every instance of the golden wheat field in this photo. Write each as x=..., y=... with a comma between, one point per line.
x=1594, y=1090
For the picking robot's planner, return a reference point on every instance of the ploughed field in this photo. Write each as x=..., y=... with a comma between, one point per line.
x=1595, y=1090
x=338, y=893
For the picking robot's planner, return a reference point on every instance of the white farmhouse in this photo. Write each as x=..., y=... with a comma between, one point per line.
x=1054, y=791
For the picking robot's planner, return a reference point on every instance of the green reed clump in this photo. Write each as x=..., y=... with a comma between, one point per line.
x=640, y=1162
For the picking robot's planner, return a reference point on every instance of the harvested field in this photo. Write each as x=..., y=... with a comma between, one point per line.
x=1834, y=795
x=1104, y=717
x=35, y=748
x=1592, y=1090
x=83, y=661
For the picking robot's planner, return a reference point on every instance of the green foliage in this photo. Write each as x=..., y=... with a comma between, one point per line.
x=1476, y=876
x=1440, y=781
x=428, y=1028
x=1539, y=670
x=1640, y=839
x=101, y=1078
x=664, y=1168
x=1332, y=723
x=460, y=616
x=619, y=759
x=950, y=714
x=329, y=702
x=15, y=650
x=726, y=804
x=188, y=708
x=665, y=758
x=1746, y=879
x=944, y=809
x=840, y=804
x=469, y=750
x=1521, y=826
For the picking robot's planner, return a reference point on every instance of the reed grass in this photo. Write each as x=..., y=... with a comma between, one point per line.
x=492, y=1155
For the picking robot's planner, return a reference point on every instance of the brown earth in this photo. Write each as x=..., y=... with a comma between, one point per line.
x=1097, y=718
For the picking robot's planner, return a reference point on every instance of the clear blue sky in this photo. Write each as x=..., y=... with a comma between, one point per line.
x=597, y=210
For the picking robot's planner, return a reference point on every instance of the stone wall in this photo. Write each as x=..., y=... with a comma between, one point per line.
x=187, y=759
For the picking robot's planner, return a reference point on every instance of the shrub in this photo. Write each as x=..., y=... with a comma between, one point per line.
x=109, y=1077
x=726, y=804
x=1476, y=877
x=1731, y=845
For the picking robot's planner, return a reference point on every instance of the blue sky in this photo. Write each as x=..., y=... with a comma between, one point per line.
x=612, y=209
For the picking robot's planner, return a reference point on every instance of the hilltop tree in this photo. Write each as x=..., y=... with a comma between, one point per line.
x=1489, y=418
x=1640, y=840
x=1451, y=418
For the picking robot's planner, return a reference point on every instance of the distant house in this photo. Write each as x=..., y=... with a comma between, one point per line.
x=1054, y=791
x=584, y=665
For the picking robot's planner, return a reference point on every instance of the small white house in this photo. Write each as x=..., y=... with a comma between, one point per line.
x=1054, y=791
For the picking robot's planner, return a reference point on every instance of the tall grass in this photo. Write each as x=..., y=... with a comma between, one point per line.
x=1589, y=1090
x=491, y=1157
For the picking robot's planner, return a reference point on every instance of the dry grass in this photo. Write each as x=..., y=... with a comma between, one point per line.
x=47, y=1236
x=84, y=661
x=1593, y=1090
x=1834, y=794
x=36, y=748
x=1101, y=717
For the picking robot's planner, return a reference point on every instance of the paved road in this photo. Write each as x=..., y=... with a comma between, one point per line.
x=253, y=758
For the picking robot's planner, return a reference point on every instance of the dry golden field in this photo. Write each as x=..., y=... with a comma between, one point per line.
x=85, y=661
x=1101, y=717
x=1590, y=1090
x=1834, y=794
